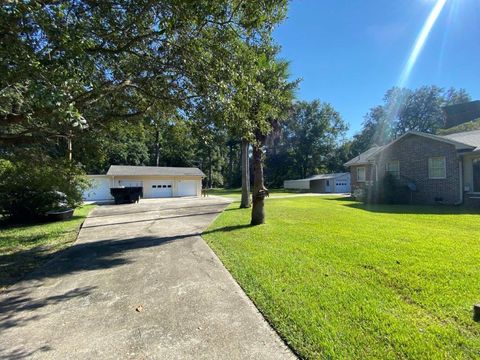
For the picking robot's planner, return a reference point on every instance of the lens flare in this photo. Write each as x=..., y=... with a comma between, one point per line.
x=421, y=40
x=398, y=96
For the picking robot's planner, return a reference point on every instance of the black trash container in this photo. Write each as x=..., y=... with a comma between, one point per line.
x=126, y=195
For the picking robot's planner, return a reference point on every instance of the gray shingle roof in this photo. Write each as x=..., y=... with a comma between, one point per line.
x=326, y=176
x=364, y=157
x=468, y=140
x=471, y=138
x=119, y=170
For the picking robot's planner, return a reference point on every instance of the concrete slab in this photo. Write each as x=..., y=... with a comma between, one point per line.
x=140, y=283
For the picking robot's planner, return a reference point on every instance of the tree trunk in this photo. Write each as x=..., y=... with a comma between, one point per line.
x=157, y=148
x=230, y=164
x=210, y=167
x=245, y=202
x=69, y=146
x=259, y=190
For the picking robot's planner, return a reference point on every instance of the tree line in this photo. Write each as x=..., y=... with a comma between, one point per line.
x=170, y=83
x=77, y=75
x=304, y=144
x=405, y=110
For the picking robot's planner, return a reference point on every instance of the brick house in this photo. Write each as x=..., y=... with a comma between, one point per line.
x=434, y=169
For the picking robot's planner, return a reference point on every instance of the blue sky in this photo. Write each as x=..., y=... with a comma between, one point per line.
x=349, y=52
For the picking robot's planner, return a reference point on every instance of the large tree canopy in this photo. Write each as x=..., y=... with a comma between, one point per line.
x=406, y=110
x=66, y=65
x=306, y=143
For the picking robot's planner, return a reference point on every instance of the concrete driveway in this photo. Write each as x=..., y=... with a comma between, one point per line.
x=140, y=283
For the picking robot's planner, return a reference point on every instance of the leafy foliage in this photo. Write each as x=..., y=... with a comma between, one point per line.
x=468, y=126
x=30, y=187
x=308, y=141
x=68, y=65
x=406, y=110
x=135, y=82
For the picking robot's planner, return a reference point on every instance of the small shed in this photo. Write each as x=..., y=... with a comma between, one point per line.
x=322, y=183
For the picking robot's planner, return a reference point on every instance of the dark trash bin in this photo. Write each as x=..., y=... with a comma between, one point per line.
x=126, y=195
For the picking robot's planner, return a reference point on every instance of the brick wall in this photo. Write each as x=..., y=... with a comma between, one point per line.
x=413, y=152
x=369, y=176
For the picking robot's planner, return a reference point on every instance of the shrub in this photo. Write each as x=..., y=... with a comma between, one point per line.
x=387, y=191
x=359, y=194
x=29, y=188
x=394, y=192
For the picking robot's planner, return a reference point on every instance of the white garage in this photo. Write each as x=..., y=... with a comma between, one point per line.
x=160, y=188
x=187, y=188
x=322, y=183
x=99, y=188
x=156, y=182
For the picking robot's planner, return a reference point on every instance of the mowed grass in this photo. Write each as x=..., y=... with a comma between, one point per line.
x=339, y=280
x=26, y=247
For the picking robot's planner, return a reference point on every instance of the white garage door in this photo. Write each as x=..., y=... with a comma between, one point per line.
x=130, y=183
x=342, y=186
x=160, y=189
x=187, y=188
x=99, y=190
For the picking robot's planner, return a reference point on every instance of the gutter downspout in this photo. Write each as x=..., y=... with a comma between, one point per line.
x=460, y=169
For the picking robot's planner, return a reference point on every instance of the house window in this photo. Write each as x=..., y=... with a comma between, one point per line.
x=360, y=174
x=154, y=186
x=437, y=168
x=476, y=175
x=328, y=182
x=393, y=168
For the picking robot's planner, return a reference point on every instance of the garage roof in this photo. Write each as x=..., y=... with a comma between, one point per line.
x=123, y=170
x=321, y=176
x=327, y=176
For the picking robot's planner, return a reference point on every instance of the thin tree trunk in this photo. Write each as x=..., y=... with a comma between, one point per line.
x=157, y=148
x=230, y=163
x=259, y=190
x=210, y=167
x=69, y=146
x=245, y=202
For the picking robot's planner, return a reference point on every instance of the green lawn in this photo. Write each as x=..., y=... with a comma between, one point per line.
x=236, y=194
x=25, y=247
x=338, y=280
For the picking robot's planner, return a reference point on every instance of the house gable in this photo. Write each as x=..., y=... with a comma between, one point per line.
x=410, y=154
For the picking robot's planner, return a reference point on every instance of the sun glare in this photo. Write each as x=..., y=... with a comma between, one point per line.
x=420, y=42
x=398, y=99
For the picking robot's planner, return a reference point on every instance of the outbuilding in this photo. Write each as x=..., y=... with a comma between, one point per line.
x=157, y=182
x=323, y=183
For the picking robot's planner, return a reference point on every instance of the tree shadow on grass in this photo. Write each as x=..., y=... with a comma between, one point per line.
x=412, y=209
x=8, y=225
x=342, y=199
x=236, y=209
x=227, y=229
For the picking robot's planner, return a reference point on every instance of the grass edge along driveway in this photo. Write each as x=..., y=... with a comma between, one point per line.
x=23, y=248
x=340, y=280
